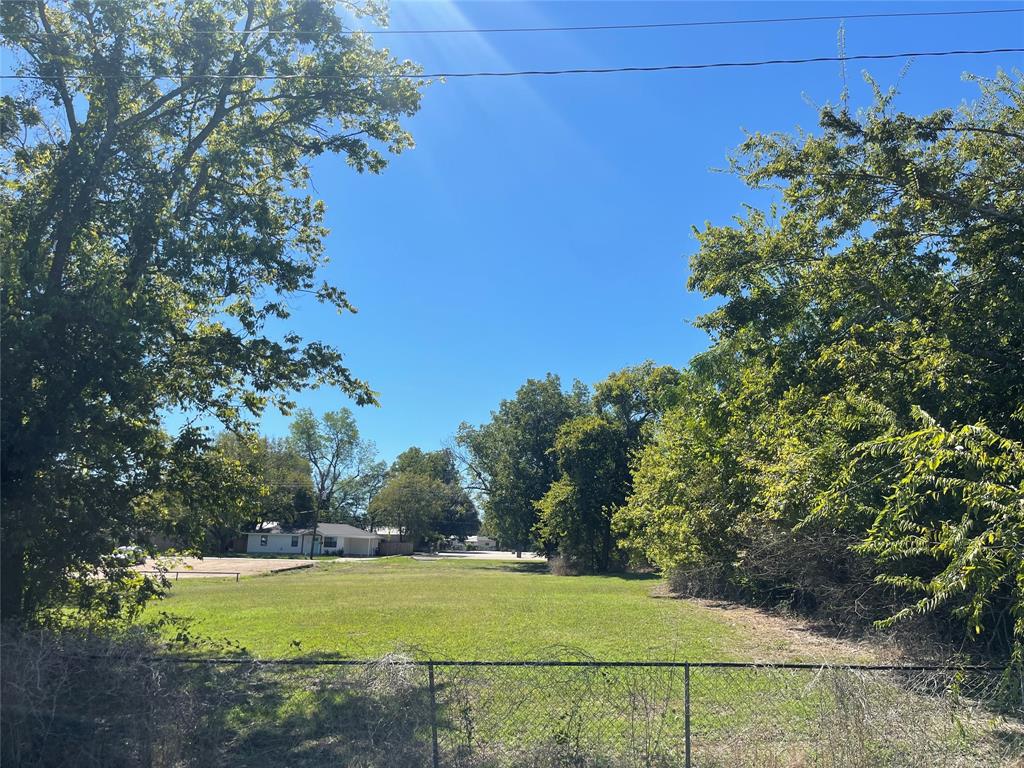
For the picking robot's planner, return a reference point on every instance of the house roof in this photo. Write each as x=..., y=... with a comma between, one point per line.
x=341, y=530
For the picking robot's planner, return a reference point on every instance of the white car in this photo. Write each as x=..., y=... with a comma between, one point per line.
x=129, y=555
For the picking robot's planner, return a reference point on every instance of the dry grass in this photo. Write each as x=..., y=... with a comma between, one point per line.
x=89, y=702
x=84, y=702
x=769, y=636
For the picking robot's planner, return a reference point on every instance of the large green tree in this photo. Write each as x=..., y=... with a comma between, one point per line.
x=278, y=481
x=413, y=503
x=459, y=516
x=154, y=220
x=690, y=493
x=575, y=514
x=886, y=280
x=593, y=455
x=343, y=466
x=636, y=397
x=509, y=459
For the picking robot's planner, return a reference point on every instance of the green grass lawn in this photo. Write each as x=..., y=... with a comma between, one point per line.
x=452, y=609
x=487, y=610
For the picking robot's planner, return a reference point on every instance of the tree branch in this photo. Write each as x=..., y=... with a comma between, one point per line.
x=59, y=81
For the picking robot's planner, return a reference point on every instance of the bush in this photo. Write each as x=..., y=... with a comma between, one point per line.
x=82, y=700
x=87, y=701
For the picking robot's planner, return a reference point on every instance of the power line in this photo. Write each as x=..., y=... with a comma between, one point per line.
x=538, y=72
x=724, y=64
x=615, y=27
x=678, y=24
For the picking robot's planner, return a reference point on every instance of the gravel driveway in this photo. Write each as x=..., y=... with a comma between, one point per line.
x=219, y=567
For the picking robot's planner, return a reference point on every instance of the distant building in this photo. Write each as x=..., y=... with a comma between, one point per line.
x=387, y=533
x=331, y=538
x=481, y=542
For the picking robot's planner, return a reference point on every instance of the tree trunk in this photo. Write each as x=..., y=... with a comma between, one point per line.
x=606, y=549
x=12, y=572
x=312, y=541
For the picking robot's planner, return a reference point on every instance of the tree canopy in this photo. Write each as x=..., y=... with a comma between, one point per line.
x=458, y=516
x=343, y=466
x=509, y=459
x=413, y=503
x=154, y=221
x=594, y=453
x=277, y=480
x=575, y=513
x=853, y=427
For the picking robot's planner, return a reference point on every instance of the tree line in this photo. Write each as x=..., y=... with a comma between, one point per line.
x=851, y=442
x=323, y=471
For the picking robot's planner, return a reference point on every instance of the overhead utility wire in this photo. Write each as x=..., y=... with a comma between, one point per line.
x=634, y=27
x=724, y=64
x=607, y=27
x=534, y=72
x=676, y=24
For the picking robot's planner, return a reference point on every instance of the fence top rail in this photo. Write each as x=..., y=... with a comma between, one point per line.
x=332, y=662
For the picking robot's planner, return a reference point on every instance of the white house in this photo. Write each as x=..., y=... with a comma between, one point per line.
x=331, y=538
x=481, y=542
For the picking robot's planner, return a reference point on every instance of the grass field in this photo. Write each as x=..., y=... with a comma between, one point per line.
x=453, y=609
x=387, y=713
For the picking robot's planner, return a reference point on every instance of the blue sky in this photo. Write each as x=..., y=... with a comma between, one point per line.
x=544, y=224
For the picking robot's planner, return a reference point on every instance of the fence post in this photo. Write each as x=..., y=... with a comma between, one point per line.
x=686, y=708
x=436, y=760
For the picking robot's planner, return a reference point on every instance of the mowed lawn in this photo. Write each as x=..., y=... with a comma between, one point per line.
x=451, y=609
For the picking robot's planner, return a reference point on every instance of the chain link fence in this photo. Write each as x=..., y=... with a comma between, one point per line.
x=141, y=711
x=711, y=715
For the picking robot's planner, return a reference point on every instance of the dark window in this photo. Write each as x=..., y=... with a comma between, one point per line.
x=295, y=541
x=330, y=542
x=263, y=541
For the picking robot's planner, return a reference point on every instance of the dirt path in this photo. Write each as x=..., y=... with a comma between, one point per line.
x=771, y=637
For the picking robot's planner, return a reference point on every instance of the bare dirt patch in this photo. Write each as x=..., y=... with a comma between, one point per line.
x=220, y=567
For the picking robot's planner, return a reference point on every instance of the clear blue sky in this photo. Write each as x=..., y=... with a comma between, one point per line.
x=544, y=224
